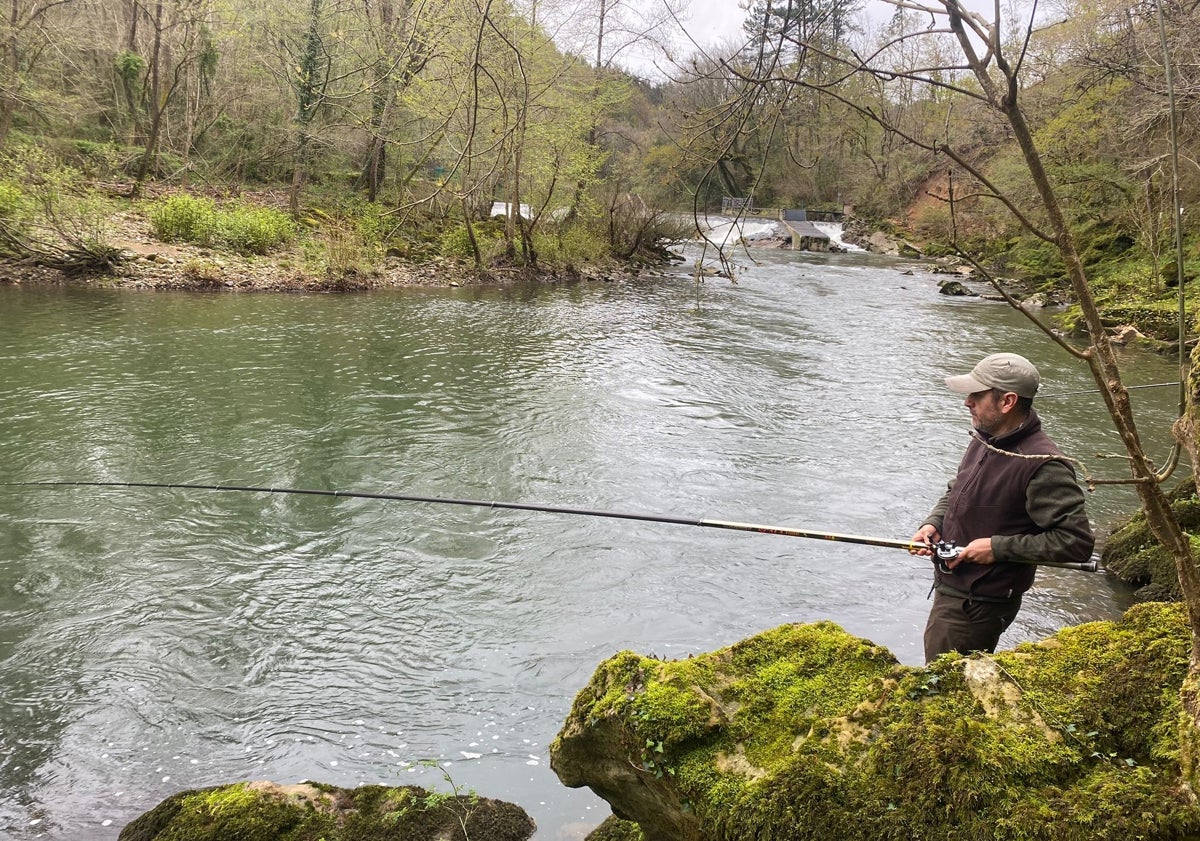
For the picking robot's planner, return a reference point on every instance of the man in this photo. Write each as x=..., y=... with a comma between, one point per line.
x=1013, y=502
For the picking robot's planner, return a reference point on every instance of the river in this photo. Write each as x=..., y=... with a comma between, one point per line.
x=159, y=640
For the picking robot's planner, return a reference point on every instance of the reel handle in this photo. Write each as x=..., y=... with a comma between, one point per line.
x=945, y=551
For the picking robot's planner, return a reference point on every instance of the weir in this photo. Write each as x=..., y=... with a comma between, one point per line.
x=808, y=230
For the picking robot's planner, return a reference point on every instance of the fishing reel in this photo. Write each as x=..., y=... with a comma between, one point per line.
x=943, y=552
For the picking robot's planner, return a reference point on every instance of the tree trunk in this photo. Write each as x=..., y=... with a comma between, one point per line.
x=299, y=172
x=310, y=91
x=156, y=107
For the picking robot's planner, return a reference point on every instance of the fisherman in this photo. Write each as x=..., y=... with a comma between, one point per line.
x=1013, y=502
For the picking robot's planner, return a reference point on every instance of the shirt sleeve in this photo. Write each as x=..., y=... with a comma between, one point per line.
x=1054, y=501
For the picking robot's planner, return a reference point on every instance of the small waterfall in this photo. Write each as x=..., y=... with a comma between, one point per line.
x=834, y=231
x=726, y=231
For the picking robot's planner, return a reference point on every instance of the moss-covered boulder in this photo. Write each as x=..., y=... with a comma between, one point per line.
x=808, y=732
x=264, y=811
x=1135, y=556
x=615, y=829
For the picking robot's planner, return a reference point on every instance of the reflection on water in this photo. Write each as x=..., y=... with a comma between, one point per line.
x=156, y=640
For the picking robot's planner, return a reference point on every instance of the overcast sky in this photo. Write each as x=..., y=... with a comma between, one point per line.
x=712, y=21
x=708, y=22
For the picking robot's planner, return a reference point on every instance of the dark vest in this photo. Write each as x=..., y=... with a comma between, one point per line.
x=988, y=498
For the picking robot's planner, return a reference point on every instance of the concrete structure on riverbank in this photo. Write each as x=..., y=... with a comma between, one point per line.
x=805, y=235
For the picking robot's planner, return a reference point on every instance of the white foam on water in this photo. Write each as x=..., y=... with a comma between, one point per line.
x=725, y=231
x=834, y=231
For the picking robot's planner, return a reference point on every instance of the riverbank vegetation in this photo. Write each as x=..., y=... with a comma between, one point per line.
x=514, y=137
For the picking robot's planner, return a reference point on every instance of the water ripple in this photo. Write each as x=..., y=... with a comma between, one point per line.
x=159, y=640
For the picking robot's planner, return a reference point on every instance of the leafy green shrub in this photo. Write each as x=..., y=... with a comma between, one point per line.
x=575, y=246
x=244, y=228
x=183, y=219
x=12, y=202
x=456, y=242
x=371, y=226
x=50, y=197
x=338, y=251
x=253, y=230
x=97, y=159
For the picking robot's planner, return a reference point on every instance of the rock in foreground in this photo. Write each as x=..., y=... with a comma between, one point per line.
x=264, y=811
x=808, y=732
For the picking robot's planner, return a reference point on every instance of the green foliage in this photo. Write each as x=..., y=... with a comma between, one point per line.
x=250, y=229
x=129, y=66
x=337, y=251
x=46, y=180
x=455, y=241
x=13, y=204
x=49, y=200
x=615, y=829
x=245, y=228
x=182, y=218
x=100, y=160
x=372, y=226
x=578, y=245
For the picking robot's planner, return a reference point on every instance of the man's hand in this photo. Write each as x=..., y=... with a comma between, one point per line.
x=978, y=551
x=926, y=536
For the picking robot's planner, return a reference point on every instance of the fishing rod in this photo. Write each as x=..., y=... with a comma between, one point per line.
x=941, y=552
x=1053, y=395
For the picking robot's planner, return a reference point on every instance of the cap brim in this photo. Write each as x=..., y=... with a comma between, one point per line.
x=965, y=384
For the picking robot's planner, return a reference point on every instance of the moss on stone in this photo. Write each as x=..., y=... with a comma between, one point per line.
x=314, y=812
x=615, y=829
x=223, y=813
x=808, y=732
x=1134, y=555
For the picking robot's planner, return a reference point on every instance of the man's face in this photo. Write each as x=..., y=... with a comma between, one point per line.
x=987, y=413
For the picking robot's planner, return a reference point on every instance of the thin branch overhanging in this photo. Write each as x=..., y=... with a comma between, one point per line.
x=931, y=146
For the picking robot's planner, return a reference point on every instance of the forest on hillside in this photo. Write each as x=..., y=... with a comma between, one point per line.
x=403, y=123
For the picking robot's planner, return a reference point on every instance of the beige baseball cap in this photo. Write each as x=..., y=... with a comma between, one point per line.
x=1005, y=371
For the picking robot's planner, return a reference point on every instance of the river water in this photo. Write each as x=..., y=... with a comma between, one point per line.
x=159, y=640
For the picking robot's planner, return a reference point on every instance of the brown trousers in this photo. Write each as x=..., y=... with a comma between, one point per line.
x=966, y=625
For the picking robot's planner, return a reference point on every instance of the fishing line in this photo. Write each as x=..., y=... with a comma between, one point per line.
x=942, y=552
x=1093, y=391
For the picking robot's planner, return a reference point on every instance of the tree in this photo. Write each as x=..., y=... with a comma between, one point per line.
x=608, y=32
x=24, y=36
x=399, y=48
x=179, y=40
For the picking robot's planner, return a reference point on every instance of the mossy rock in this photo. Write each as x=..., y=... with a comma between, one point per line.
x=808, y=732
x=1134, y=555
x=264, y=811
x=1159, y=319
x=615, y=829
